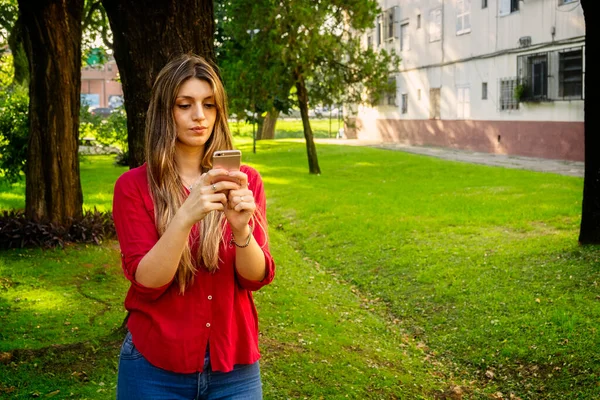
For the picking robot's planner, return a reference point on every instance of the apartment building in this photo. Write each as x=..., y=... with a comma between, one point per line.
x=497, y=76
x=100, y=87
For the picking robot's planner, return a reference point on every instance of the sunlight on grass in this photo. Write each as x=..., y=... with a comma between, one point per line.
x=38, y=299
x=11, y=201
x=11, y=196
x=290, y=128
x=100, y=201
x=366, y=164
x=277, y=181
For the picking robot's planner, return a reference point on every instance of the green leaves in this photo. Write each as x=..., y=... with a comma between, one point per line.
x=113, y=130
x=321, y=41
x=14, y=129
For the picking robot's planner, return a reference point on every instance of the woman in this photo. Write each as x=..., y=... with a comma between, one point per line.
x=194, y=246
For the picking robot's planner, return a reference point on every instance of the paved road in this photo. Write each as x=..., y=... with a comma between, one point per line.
x=562, y=167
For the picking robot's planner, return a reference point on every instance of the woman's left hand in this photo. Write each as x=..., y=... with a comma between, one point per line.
x=240, y=204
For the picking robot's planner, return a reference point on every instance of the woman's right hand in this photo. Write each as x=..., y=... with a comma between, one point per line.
x=207, y=194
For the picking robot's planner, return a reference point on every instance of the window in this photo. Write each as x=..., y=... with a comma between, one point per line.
x=405, y=38
x=404, y=103
x=390, y=23
x=434, y=103
x=484, y=91
x=387, y=95
x=435, y=25
x=463, y=16
x=508, y=6
x=418, y=94
x=552, y=75
x=378, y=29
x=483, y=3
x=537, y=75
x=463, y=110
x=391, y=96
x=419, y=21
x=507, y=94
x=533, y=76
x=370, y=42
x=570, y=73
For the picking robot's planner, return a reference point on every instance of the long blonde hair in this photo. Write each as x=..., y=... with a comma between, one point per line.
x=165, y=184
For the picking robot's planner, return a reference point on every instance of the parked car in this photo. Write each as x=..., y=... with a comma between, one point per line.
x=324, y=112
x=102, y=111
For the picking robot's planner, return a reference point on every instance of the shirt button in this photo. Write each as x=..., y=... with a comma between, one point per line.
x=209, y=297
x=208, y=324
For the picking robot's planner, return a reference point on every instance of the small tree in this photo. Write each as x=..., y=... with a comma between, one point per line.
x=314, y=47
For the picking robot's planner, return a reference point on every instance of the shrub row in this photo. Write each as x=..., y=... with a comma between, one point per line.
x=17, y=231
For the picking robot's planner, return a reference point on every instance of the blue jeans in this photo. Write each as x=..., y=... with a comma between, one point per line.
x=138, y=379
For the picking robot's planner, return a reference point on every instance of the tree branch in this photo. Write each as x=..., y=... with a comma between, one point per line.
x=88, y=18
x=104, y=30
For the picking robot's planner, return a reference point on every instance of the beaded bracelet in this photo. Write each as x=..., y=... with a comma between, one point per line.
x=241, y=246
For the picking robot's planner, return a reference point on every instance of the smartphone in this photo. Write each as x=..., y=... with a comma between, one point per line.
x=227, y=159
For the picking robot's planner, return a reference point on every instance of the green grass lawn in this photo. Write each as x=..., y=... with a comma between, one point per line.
x=399, y=276
x=288, y=128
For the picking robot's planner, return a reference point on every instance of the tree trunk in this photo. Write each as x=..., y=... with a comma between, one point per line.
x=145, y=37
x=590, y=214
x=311, y=151
x=260, y=120
x=268, y=125
x=52, y=40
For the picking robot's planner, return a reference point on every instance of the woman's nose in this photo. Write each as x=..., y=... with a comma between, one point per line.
x=198, y=113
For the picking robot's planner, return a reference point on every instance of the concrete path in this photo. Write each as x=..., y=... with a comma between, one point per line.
x=562, y=167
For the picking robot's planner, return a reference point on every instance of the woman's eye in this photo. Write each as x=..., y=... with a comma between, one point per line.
x=183, y=106
x=209, y=105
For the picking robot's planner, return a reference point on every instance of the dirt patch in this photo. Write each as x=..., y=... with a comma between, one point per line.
x=273, y=347
x=66, y=357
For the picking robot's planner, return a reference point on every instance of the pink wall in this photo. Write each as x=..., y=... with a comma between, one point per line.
x=101, y=81
x=554, y=140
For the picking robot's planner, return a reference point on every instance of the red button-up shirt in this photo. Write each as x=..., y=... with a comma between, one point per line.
x=172, y=330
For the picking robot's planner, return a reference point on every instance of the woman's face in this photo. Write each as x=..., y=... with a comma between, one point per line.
x=195, y=113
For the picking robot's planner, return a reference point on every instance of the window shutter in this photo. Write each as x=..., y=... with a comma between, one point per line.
x=435, y=24
x=504, y=7
x=396, y=11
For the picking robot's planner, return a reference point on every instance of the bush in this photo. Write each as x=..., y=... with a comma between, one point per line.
x=88, y=122
x=110, y=131
x=14, y=130
x=113, y=130
x=17, y=231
